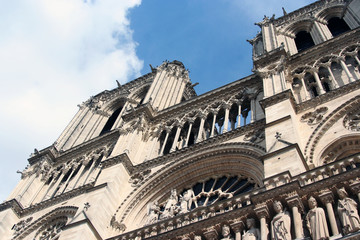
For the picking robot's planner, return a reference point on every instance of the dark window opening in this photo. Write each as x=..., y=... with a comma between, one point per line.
x=314, y=91
x=337, y=26
x=110, y=122
x=326, y=86
x=303, y=40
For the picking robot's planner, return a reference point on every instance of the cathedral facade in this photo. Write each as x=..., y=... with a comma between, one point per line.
x=274, y=155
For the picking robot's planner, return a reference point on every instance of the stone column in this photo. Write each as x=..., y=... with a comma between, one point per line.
x=164, y=143
x=211, y=234
x=252, y=107
x=188, y=134
x=176, y=138
x=201, y=129
x=327, y=199
x=75, y=181
x=307, y=95
x=332, y=77
x=226, y=118
x=318, y=82
x=262, y=213
x=345, y=68
x=357, y=59
x=239, y=115
x=237, y=226
x=295, y=203
x=213, y=125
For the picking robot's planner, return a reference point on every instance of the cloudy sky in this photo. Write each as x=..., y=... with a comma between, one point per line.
x=55, y=54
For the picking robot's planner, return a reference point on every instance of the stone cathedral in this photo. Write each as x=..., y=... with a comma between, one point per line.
x=274, y=155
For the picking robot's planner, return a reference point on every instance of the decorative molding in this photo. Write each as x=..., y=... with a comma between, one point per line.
x=314, y=117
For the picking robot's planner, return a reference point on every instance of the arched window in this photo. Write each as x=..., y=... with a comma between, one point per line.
x=337, y=26
x=303, y=40
x=110, y=122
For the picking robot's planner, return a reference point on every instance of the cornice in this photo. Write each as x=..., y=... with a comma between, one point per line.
x=272, y=100
x=21, y=212
x=84, y=148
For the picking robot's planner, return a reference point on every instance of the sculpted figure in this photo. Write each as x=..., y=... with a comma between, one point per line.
x=281, y=223
x=197, y=237
x=186, y=201
x=347, y=210
x=152, y=213
x=252, y=233
x=171, y=207
x=316, y=221
x=226, y=233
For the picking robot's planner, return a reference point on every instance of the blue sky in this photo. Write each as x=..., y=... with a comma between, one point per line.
x=55, y=54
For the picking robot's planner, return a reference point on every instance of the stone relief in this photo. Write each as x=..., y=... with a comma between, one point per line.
x=348, y=214
x=281, y=223
x=116, y=225
x=51, y=232
x=153, y=212
x=352, y=121
x=171, y=207
x=255, y=136
x=138, y=178
x=21, y=225
x=316, y=221
x=315, y=117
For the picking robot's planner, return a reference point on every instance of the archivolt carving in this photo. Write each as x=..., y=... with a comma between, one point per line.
x=349, y=106
x=56, y=216
x=180, y=174
x=315, y=117
x=352, y=120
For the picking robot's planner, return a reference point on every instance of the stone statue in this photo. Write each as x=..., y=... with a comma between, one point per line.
x=252, y=233
x=348, y=214
x=197, y=237
x=226, y=233
x=316, y=221
x=171, y=207
x=153, y=211
x=281, y=223
x=186, y=201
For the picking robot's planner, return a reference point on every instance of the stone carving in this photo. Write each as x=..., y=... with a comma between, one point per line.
x=252, y=233
x=352, y=121
x=197, y=237
x=255, y=136
x=138, y=178
x=281, y=223
x=171, y=207
x=186, y=201
x=153, y=211
x=316, y=221
x=315, y=117
x=21, y=225
x=118, y=226
x=347, y=210
x=226, y=233
x=52, y=231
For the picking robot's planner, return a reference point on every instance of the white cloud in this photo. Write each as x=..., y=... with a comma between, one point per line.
x=53, y=55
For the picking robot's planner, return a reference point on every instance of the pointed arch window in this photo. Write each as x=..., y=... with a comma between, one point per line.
x=111, y=121
x=337, y=26
x=303, y=41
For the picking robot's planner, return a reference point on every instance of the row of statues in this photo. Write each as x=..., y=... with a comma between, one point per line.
x=174, y=205
x=315, y=218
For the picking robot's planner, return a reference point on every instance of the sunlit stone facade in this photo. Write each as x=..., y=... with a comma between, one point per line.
x=274, y=155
